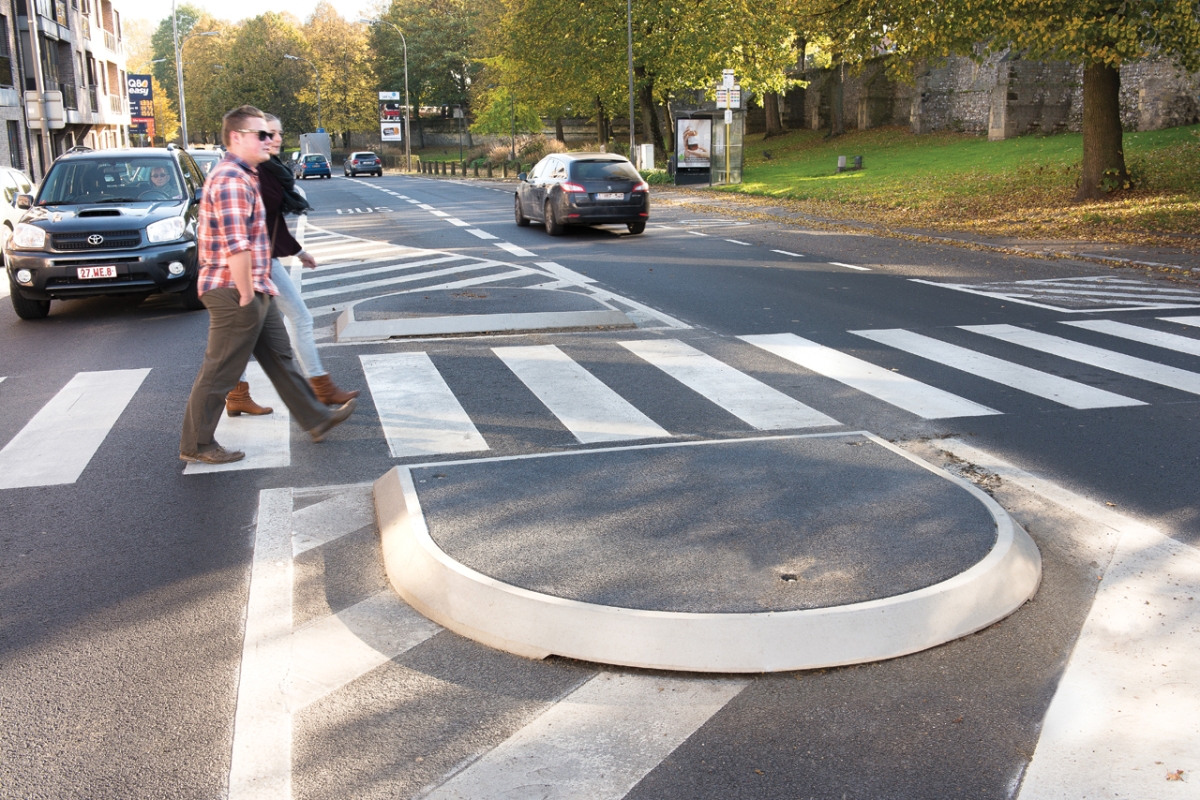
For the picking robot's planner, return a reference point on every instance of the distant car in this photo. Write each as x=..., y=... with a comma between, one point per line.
x=313, y=165
x=582, y=189
x=207, y=159
x=362, y=162
x=108, y=222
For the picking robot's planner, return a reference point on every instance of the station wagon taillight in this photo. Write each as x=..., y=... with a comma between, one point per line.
x=567, y=186
x=642, y=187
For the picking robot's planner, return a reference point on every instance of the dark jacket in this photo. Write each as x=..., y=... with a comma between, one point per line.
x=292, y=202
x=275, y=197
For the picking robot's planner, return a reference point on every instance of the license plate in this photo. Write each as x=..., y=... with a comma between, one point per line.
x=610, y=195
x=85, y=273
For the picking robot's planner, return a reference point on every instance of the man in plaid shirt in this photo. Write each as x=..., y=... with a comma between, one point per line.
x=235, y=286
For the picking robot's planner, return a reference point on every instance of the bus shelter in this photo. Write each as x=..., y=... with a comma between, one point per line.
x=708, y=146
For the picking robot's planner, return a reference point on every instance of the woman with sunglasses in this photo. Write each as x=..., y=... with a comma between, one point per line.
x=277, y=185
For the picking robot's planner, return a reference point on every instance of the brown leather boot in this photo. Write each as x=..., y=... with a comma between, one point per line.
x=328, y=392
x=239, y=402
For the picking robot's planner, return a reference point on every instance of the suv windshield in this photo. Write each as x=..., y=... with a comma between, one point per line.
x=605, y=170
x=314, y=159
x=111, y=180
x=365, y=156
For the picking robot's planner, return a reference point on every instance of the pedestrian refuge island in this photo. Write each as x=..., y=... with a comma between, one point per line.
x=735, y=556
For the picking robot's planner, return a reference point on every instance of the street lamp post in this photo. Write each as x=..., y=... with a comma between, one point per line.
x=317, y=73
x=407, y=107
x=629, y=39
x=179, y=69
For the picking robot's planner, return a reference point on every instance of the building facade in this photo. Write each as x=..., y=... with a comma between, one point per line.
x=62, y=80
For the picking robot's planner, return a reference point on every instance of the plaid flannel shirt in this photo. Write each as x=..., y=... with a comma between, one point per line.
x=233, y=220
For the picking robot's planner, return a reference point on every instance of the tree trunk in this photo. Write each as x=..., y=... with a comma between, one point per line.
x=600, y=137
x=558, y=130
x=837, y=116
x=774, y=118
x=650, y=125
x=1103, y=153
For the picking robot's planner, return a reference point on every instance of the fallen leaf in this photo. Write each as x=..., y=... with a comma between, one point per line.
x=1177, y=775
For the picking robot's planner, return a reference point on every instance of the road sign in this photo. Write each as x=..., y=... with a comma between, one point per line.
x=722, y=97
x=389, y=95
x=727, y=78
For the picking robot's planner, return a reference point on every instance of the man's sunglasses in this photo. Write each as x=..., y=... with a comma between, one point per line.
x=262, y=135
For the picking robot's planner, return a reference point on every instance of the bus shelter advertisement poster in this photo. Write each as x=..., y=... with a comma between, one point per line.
x=391, y=117
x=694, y=142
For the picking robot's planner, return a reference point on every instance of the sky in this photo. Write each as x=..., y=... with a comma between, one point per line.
x=234, y=10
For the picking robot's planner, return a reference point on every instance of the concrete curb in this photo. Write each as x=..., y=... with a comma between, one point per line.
x=536, y=625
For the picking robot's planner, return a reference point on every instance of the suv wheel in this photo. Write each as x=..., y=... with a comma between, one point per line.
x=28, y=309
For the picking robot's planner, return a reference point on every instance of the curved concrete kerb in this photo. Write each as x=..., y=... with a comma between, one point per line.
x=749, y=555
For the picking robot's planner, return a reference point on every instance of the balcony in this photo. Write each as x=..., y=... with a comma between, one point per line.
x=87, y=30
x=93, y=101
x=112, y=42
x=70, y=100
x=116, y=105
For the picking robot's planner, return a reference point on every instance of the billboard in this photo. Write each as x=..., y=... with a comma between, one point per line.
x=693, y=143
x=141, y=95
x=391, y=117
x=391, y=131
x=142, y=126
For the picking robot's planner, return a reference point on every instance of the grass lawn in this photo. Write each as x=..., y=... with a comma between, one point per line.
x=1017, y=187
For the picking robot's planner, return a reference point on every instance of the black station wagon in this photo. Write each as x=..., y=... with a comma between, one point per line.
x=582, y=189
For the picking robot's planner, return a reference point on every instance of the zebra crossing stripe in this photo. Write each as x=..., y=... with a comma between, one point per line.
x=266, y=440
x=1060, y=390
x=597, y=742
x=585, y=406
x=515, y=250
x=351, y=249
x=890, y=387
x=1094, y=356
x=419, y=413
x=748, y=399
x=58, y=443
x=1168, y=341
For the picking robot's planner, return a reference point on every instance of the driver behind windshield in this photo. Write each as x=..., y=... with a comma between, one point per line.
x=162, y=186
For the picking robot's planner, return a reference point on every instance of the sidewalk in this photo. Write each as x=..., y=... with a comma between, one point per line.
x=1161, y=258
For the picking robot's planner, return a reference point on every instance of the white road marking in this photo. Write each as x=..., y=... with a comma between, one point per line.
x=1134, y=333
x=393, y=267
x=1095, y=356
x=261, y=764
x=596, y=743
x=437, y=213
x=331, y=652
x=735, y=241
x=358, y=287
x=516, y=251
x=697, y=233
x=1133, y=667
x=786, y=253
x=425, y=206
x=748, y=399
x=266, y=440
x=415, y=202
x=585, y=406
x=334, y=251
x=480, y=234
x=1193, y=321
x=1052, y=387
x=850, y=266
x=903, y=392
x=56, y=446
x=419, y=413
x=458, y=222
x=5, y=286
x=559, y=271
x=332, y=518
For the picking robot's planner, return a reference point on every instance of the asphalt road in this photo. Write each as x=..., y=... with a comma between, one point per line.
x=124, y=591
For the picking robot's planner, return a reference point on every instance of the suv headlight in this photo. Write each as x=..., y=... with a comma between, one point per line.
x=165, y=230
x=30, y=236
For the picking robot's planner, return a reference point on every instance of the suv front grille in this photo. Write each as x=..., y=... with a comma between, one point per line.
x=112, y=240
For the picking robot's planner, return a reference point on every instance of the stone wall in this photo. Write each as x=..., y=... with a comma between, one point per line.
x=1002, y=96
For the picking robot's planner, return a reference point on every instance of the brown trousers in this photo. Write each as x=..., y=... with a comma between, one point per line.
x=234, y=333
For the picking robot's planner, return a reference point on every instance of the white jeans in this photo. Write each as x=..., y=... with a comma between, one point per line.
x=291, y=305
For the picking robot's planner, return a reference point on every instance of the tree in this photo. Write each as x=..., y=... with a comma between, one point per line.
x=256, y=72
x=342, y=52
x=501, y=114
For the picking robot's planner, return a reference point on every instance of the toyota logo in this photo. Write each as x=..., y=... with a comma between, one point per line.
x=95, y=240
